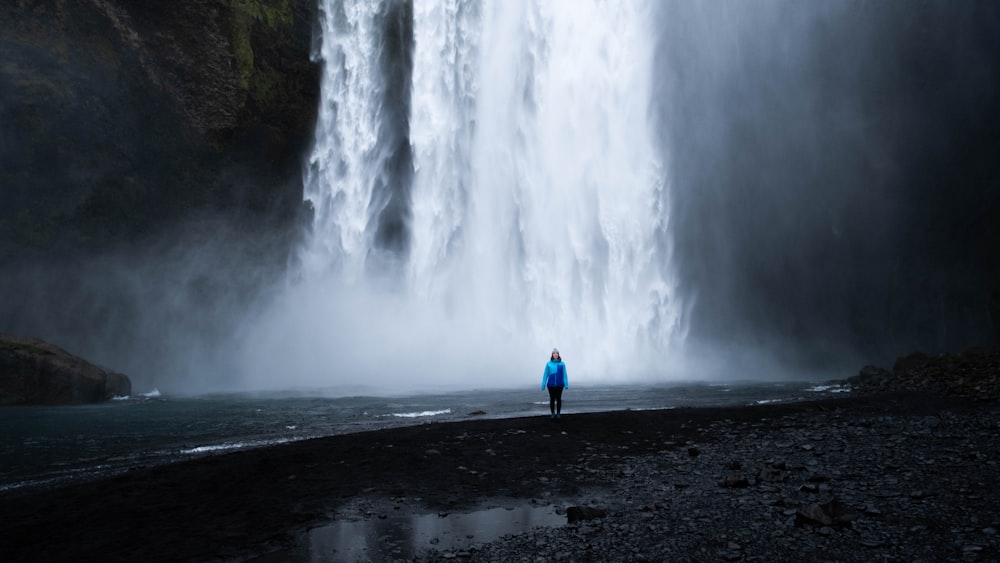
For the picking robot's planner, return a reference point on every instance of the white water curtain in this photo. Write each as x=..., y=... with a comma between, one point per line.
x=539, y=208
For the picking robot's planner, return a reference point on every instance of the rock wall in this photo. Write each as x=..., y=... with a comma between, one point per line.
x=150, y=172
x=120, y=118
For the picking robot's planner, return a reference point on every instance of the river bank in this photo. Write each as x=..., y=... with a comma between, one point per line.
x=913, y=477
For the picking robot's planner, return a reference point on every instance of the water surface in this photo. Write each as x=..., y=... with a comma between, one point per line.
x=41, y=445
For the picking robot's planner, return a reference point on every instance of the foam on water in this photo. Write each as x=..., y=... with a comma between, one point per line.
x=216, y=448
x=833, y=388
x=420, y=414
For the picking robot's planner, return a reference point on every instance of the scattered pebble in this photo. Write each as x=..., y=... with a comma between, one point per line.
x=758, y=492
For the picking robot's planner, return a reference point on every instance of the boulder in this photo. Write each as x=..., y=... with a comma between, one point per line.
x=830, y=513
x=734, y=480
x=34, y=372
x=583, y=513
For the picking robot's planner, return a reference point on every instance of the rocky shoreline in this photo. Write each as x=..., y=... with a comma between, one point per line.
x=905, y=470
x=888, y=477
x=972, y=374
x=35, y=372
x=913, y=480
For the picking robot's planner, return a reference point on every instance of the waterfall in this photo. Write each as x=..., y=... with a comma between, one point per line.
x=487, y=185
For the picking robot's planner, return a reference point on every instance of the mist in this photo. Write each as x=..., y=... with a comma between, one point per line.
x=167, y=310
x=663, y=190
x=834, y=172
x=521, y=213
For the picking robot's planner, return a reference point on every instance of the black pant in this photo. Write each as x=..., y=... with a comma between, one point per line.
x=555, y=399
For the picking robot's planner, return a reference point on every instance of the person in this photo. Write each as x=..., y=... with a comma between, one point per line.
x=555, y=380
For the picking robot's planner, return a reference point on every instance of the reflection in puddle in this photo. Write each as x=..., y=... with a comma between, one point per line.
x=404, y=537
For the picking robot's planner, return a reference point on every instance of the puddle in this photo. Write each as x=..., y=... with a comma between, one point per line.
x=399, y=537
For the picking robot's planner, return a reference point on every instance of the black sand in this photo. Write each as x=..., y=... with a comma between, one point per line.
x=244, y=504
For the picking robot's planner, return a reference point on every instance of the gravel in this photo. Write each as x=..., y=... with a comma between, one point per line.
x=820, y=486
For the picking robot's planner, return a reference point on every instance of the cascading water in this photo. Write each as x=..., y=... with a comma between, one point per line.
x=486, y=186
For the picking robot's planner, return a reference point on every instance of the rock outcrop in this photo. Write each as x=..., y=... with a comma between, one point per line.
x=34, y=372
x=974, y=373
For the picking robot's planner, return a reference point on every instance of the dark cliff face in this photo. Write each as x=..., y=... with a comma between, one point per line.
x=150, y=170
x=121, y=118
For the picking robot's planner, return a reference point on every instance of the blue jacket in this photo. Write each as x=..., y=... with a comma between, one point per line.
x=555, y=375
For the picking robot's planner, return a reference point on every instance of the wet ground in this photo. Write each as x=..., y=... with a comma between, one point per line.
x=674, y=482
x=395, y=536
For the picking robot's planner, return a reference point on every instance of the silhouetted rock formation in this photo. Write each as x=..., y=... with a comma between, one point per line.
x=34, y=372
x=974, y=373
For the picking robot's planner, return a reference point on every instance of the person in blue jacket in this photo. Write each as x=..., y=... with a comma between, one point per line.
x=555, y=380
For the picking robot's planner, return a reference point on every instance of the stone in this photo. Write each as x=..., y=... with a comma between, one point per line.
x=830, y=513
x=34, y=372
x=772, y=475
x=583, y=513
x=734, y=479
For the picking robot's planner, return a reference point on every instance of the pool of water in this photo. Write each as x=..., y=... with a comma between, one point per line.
x=404, y=537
